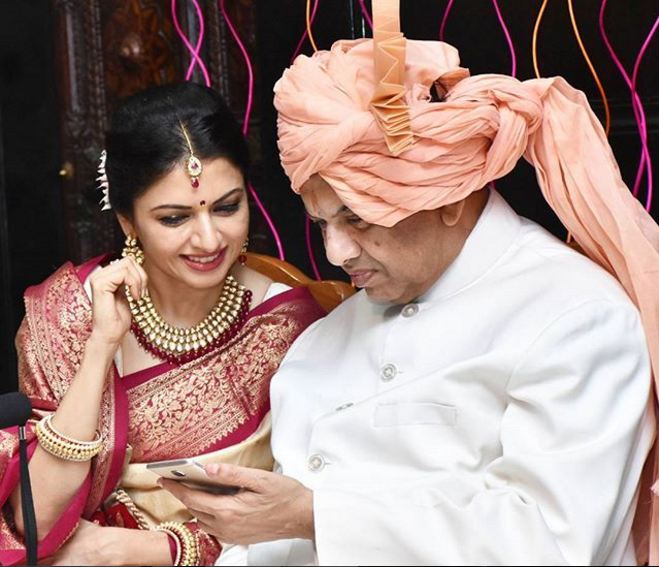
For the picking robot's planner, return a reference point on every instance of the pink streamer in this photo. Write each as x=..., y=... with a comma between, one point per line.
x=511, y=46
x=305, y=33
x=445, y=19
x=194, y=51
x=307, y=226
x=637, y=105
x=637, y=64
x=365, y=13
x=248, y=111
x=312, y=257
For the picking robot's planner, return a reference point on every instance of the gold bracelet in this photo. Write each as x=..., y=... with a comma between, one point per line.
x=96, y=442
x=177, y=542
x=64, y=447
x=187, y=542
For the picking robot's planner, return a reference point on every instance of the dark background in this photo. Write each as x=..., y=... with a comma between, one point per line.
x=40, y=228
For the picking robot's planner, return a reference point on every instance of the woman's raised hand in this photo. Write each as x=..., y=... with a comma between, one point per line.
x=110, y=312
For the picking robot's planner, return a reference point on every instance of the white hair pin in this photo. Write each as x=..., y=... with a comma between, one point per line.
x=103, y=184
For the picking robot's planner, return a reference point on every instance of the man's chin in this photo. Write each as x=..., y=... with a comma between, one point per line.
x=379, y=296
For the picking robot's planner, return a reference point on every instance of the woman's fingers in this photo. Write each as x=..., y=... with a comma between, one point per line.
x=124, y=272
x=135, y=278
x=110, y=314
x=143, y=277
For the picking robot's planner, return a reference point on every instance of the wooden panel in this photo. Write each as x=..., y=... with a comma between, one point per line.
x=139, y=47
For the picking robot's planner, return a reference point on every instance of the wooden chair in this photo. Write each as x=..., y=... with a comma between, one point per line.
x=328, y=293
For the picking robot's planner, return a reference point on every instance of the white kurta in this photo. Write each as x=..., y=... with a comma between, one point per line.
x=503, y=418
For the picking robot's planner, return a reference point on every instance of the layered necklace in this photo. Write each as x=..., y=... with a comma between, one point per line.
x=179, y=345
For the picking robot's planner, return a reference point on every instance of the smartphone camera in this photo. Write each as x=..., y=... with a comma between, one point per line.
x=178, y=473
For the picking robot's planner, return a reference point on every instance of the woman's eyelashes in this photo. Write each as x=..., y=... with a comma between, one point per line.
x=227, y=208
x=172, y=220
x=224, y=209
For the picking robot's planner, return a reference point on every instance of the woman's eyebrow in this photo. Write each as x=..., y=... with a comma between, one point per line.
x=186, y=207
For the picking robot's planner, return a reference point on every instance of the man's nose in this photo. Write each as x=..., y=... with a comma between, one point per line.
x=340, y=246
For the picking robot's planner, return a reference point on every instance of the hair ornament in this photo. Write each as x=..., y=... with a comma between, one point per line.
x=193, y=165
x=103, y=184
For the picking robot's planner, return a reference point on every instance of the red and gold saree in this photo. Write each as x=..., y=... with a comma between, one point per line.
x=214, y=408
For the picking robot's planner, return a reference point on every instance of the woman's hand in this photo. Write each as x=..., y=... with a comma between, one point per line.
x=96, y=545
x=270, y=506
x=110, y=312
x=90, y=545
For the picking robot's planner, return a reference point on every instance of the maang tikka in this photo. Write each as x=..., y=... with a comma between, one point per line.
x=192, y=165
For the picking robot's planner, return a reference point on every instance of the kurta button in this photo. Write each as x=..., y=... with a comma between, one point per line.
x=388, y=372
x=344, y=406
x=316, y=463
x=410, y=310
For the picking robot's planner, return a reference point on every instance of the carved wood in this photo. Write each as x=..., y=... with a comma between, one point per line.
x=108, y=49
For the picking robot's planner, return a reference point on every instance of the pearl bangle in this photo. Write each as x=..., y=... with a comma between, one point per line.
x=64, y=447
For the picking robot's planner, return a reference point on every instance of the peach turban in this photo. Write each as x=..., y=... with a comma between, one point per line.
x=361, y=115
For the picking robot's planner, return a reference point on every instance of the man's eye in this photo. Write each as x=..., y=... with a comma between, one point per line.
x=172, y=220
x=356, y=221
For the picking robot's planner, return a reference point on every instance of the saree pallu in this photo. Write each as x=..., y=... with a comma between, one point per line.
x=215, y=408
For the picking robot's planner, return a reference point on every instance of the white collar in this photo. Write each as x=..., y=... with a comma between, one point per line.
x=493, y=234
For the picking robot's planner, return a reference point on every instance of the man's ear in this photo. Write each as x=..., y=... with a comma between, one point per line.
x=450, y=214
x=126, y=225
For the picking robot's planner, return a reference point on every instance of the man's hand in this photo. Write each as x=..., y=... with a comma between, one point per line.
x=270, y=506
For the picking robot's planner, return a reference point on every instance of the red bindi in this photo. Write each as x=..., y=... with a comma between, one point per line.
x=202, y=203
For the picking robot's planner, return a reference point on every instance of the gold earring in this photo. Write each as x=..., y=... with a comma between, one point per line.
x=243, y=258
x=132, y=249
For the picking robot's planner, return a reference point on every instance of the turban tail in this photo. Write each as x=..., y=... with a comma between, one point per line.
x=389, y=150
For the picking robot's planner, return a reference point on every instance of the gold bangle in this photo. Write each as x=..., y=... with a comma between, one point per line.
x=177, y=542
x=187, y=542
x=96, y=442
x=64, y=447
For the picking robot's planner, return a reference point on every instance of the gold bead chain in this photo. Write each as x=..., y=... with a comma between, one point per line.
x=181, y=344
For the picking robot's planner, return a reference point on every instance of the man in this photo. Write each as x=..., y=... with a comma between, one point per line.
x=486, y=399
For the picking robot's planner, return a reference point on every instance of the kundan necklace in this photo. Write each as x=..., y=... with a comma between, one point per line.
x=179, y=345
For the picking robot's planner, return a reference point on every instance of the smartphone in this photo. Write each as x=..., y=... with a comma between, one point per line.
x=191, y=473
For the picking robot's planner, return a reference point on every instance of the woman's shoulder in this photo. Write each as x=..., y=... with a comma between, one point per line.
x=68, y=274
x=85, y=269
x=61, y=296
x=275, y=289
x=274, y=298
x=255, y=281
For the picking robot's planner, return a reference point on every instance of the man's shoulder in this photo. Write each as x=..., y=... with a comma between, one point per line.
x=337, y=323
x=557, y=271
x=344, y=312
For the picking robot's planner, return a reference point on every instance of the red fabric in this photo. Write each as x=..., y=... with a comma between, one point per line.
x=50, y=344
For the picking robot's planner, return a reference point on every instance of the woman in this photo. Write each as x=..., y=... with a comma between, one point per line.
x=136, y=360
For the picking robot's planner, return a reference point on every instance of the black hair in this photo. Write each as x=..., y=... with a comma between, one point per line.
x=145, y=140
